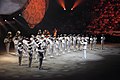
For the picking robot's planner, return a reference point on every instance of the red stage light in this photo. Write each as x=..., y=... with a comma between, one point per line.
x=76, y=4
x=71, y=9
x=62, y=4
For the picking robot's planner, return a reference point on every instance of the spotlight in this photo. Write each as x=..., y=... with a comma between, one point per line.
x=13, y=18
x=71, y=9
x=76, y=4
x=5, y=20
x=64, y=8
x=62, y=4
x=19, y=14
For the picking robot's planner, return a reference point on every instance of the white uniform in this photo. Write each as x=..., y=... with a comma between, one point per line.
x=15, y=40
x=68, y=44
x=7, y=44
x=91, y=43
x=30, y=52
x=20, y=46
x=25, y=47
x=63, y=45
x=20, y=51
x=57, y=47
x=102, y=41
x=71, y=42
x=48, y=45
x=44, y=44
x=78, y=42
x=33, y=44
x=51, y=46
x=87, y=39
x=74, y=43
x=82, y=41
x=82, y=38
x=94, y=41
x=60, y=43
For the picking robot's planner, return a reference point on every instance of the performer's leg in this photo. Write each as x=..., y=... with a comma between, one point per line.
x=16, y=51
x=95, y=45
x=102, y=45
x=20, y=59
x=78, y=46
x=30, y=60
x=40, y=60
x=45, y=55
x=90, y=46
x=74, y=46
x=52, y=53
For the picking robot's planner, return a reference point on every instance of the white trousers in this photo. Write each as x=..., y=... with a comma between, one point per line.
x=85, y=53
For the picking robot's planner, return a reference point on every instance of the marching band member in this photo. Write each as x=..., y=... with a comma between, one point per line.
x=33, y=43
x=91, y=43
x=39, y=34
x=82, y=40
x=41, y=49
x=51, y=48
x=78, y=42
x=87, y=38
x=7, y=41
x=44, y=44
x=65, y=37
x=63, y=45
x=48, y=40
x=85, y=48
x=60, y=42
x=102, y=41
x=68, y=43
x=16, y=39
x=46, y=33
x=94, y=41
x=20, y=51
x=57, y=47
x=74, y=42
x=25, y=46
x=71, y=41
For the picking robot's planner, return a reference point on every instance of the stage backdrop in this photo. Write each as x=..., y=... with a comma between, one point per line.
x=8, y=7
x=35, y=12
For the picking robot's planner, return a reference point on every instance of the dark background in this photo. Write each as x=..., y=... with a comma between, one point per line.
x=69, y=22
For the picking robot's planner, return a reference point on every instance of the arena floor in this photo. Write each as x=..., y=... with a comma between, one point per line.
x=99, y=65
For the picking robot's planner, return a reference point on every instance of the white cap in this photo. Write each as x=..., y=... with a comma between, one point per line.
x=9, y=32
x=18, y=32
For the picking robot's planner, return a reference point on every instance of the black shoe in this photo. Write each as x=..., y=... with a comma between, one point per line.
x=29, y=66
x=40, y=68
x=19, y=64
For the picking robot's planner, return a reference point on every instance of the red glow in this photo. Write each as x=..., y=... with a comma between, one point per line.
x=76, y=4
x=108, y=19
x=62, y=4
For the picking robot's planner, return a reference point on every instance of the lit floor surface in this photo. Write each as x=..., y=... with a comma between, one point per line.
x=99, y=65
